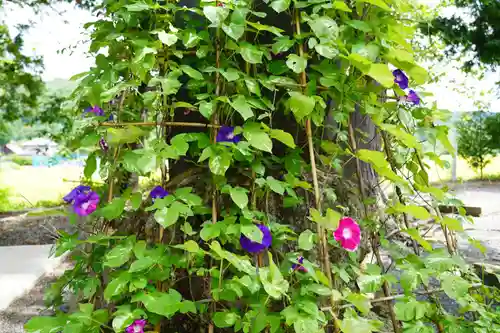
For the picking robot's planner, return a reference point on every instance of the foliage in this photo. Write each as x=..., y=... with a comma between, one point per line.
x=475, y=141
x=171, y=76
x=22, y=160
x=476, y=32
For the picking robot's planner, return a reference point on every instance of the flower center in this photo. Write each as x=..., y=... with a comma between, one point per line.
x=137, y=329
x=347, y=233
x=85, y=205
x=230, y=136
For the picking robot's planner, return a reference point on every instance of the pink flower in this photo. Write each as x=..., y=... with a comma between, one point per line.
x=348, y=234
x=137, y=326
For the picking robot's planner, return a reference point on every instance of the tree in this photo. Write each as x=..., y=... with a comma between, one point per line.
x=479, y=36
x=475, y=141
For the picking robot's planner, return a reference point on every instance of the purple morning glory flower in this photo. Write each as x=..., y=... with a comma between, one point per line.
x=299, y=267
x=70, y=197
x=137, y=326
x=226, y=134
x=400, y=78
x=95, y=110
x=158, y=192
x=104, y=145
x=110, y=117
x=86, y=203
x=254, y=247
x=413, y=97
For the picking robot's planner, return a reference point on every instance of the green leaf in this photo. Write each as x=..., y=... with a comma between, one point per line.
x=191, y=72
x=210, y=231
x=257, y=138
x=45, y=325
x=252, y=232
x=282, y=44
x=329, y=222
x=117, y=286
x=240, y=104
x=296, y=63
x=207, y=109
x=216, y=15
x=370, y=283
x=324, y=28
x=141, y=264
x=275, y=185
x=116, y=136
x=137, y=7
x=239, y=196
x=167, y=216
x=166, y=38
x=418, y=74
x=90, y=166
x=219, y=163
x=382, y=74
x=409, y=140
x=301, y=105
x=319, y=289
x=119, y=255
x=282, y=136
x=187, y=306
x=341, y=5
x=235, y=31
x=272, y=280
x=452, y=224
x=230, y=74
x=225, y=319
x=327, y=51
x=251, y=53
x=416, y=211
x=415, y=234
x=114, y=209
x=190, y=246
x=280, y=5
x=306, y=240
x=378, y=3
x=360, y=301
x=136, y=200
x=164, y=304
x=352, y=323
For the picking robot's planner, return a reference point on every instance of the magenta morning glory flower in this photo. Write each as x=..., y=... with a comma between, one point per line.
x=226, y=134
x=70, y=197
x=299, y=267
x=158, y=192
x=400, y=78
x=255, y=247
x=348, y=234
x=413, y=97
x=137, y=326
x=104, y=145
x=86, y=203
x=95, y=110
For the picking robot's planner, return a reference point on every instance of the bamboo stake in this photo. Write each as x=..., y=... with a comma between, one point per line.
x=326, y=265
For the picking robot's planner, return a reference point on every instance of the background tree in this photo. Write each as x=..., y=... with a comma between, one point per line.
x=476, y=34
x=475, y=141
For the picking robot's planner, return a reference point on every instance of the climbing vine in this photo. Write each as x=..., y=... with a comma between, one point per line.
x=277, y=127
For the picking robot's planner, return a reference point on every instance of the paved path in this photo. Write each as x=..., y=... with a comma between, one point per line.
x=20, y=267
x=486, y=228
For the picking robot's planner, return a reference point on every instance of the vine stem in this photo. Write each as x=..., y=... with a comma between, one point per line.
x=375, y=237
x=326, y=265
x=214, y=125
x=401, y=200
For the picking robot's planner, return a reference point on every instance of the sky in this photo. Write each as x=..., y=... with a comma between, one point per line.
x=54, y=32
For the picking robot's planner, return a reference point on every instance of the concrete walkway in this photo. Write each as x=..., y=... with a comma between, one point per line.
x=20, y=267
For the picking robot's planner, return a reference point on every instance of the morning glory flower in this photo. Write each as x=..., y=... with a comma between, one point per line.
x=400, y=78
x=158, y=192
x=70, y=197
x=104, y=145
x=348, y=234
x=137, y=326
x=86, y=203
x=299, y=267
x=95, y=110
x=413, y=97
x=255, y=247
x=226, y=134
